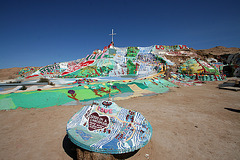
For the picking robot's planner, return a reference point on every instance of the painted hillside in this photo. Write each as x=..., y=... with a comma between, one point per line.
x=116, y=61
x=126, y=61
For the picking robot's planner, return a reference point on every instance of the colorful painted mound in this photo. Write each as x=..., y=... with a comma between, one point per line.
x=115, y=62
x=26, y=71
x=82, y=90
x=107, y=128
x=193, y=79
x=193, y=66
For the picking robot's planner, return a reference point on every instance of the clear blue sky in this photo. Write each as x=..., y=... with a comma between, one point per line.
x=41, y=32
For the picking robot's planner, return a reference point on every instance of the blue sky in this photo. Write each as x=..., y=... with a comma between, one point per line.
x=41, y=32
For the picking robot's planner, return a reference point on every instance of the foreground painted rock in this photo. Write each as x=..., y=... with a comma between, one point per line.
x=107, y=128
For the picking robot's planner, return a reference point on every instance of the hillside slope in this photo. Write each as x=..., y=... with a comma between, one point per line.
x=11, y=73
x=218, y=50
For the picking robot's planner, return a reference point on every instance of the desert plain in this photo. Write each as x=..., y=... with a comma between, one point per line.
x=196, y=122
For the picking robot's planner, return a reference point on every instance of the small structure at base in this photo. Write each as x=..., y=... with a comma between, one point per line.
x=84, y=154
x=230, y=85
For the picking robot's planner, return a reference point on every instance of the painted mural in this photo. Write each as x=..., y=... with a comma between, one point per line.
x=193, y=66
x=116, y=62
x=26, y=71
x=113, y=63
x=77, y=67
x=170, y=48
x=55, y=68
x=176, y=50
x=107, y=128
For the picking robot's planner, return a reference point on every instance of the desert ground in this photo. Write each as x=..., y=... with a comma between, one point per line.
x=197, y=122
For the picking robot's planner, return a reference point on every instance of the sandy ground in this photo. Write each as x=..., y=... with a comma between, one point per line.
x=9, y=73
x=198, y=122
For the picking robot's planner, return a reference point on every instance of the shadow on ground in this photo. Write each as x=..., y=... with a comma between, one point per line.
x=70, y=149
x=233, y=110
x=125, y=155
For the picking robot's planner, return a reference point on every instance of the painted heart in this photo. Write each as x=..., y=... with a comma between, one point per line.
x=97, y=121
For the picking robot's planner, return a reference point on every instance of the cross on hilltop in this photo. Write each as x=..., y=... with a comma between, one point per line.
x=113, y=34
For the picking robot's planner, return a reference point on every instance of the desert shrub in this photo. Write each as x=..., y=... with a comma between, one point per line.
x=43, y=80
x=51, y=83
x=23, y=88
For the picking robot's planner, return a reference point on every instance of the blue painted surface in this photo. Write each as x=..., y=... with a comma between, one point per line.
x=108, y=128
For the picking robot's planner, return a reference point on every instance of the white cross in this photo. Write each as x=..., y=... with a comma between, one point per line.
x=113, y=34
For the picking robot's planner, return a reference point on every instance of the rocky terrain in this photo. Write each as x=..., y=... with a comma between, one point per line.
x=9, y=73
x=218, y=50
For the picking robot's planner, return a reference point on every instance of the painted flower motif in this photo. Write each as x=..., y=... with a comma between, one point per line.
x=115, y=87
x=71, y=91
x=73, y=94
